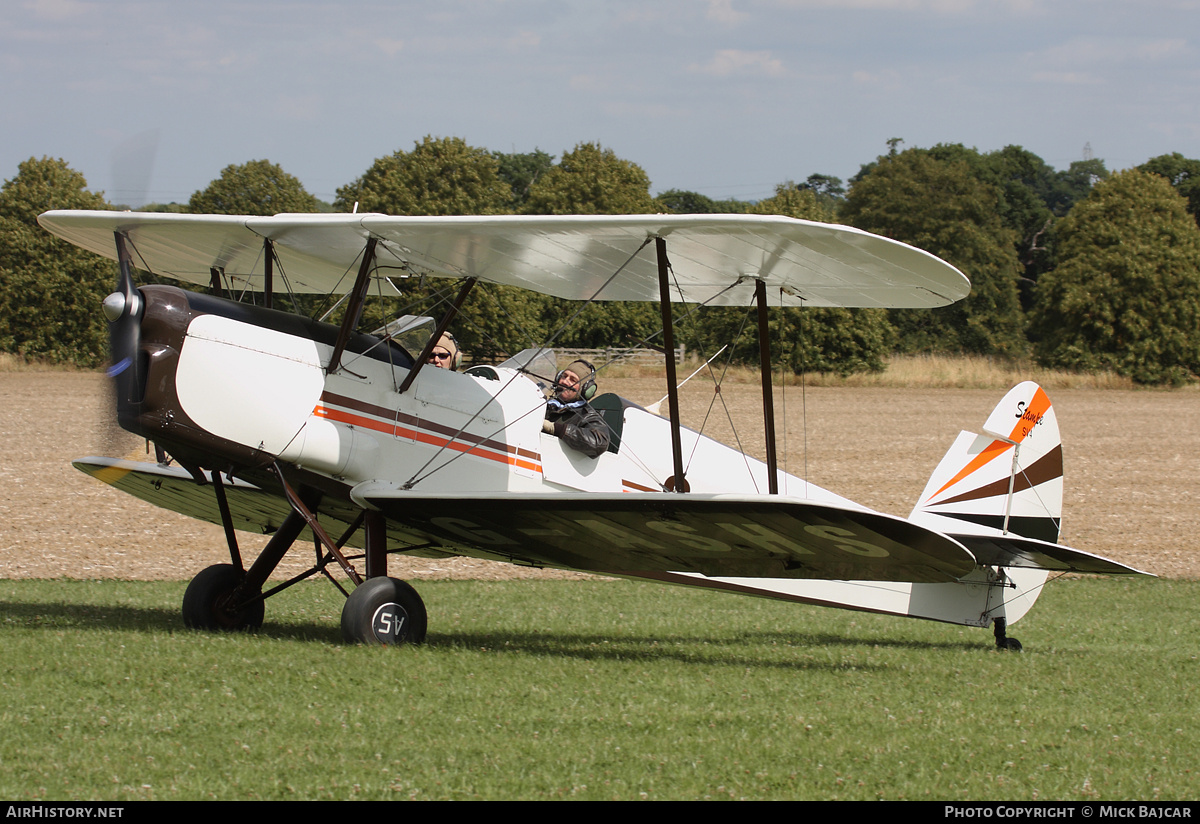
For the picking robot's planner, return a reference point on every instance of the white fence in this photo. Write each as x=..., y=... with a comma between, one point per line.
x=601, y=357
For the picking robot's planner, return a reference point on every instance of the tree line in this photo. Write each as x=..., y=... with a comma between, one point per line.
x=1079, y=269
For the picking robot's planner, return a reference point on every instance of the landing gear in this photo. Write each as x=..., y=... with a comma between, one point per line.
x=1002, y=640
x=209, y=602
x=380, y=610
x=384, y=611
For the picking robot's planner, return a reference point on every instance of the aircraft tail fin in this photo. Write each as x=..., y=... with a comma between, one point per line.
x=1008, y=481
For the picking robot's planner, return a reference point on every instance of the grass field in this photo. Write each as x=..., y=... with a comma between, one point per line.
x=597, y=690
x=588, y=689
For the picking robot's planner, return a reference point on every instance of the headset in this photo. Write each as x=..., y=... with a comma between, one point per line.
x=587, y=383
x=456, y=357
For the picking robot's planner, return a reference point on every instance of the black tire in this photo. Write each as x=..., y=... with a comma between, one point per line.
x=205, y=602
x=384, y=611
x=1010, y=644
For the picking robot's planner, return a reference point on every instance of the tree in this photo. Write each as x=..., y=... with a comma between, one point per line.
x=520, y=171
x=843, y=341
x=1182, y=173
x=828, y=189
x=50, y=291
x=941, y=206
x=445, y=176
x=1125, y=295
x=679, y=202
x=440, y=176
x=256, y=188
x=1075, y=184
x=796, y=200
x=682, y=202
x=591, y=180
x=1025, y=187
x=1026, y=184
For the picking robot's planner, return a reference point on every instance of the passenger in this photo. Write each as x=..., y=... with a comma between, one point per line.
x=445, y=354
x=568, y=415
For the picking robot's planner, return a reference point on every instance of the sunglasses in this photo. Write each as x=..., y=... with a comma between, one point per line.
x=439, y=355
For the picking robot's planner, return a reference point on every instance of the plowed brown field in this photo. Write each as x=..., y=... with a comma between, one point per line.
x=1130, y=457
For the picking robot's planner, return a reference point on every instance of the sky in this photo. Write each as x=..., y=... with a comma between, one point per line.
x=150, y=99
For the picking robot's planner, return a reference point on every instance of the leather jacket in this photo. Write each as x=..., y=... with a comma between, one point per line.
x=581, y=427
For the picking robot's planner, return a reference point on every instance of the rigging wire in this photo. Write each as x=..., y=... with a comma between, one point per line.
x=718, y=382
x=803, y=394
x=783, y=385
x=414, y=479
x=689, y=316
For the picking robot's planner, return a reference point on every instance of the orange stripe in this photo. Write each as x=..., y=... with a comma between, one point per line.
x=422, y=437
x=1038, y=406
x=1033, y=413
x=994, y=450
x=357, y=420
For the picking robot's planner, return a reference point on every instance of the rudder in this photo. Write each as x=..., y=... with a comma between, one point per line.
x=1010, y=479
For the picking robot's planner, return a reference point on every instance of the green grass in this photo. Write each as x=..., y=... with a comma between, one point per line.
x=597, y=690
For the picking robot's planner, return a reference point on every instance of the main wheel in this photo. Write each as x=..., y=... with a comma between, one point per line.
x=206, y=602
x=384, y=611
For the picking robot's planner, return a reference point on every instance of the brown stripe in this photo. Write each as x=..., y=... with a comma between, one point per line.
x=1046, y=468
x=639, y=487
x=411, y=420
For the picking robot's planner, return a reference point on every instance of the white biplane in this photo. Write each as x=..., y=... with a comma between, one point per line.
x=271, y=422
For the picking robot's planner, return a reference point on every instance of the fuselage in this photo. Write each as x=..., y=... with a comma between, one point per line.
x=238, y=386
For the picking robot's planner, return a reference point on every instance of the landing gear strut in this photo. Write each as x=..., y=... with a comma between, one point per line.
x=380, y=610
x=1002, y=639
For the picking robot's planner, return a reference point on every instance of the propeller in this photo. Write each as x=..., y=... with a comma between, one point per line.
x=132, y=167
x=123, y=310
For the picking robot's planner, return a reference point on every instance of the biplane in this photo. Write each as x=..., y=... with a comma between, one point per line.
x=271, y=422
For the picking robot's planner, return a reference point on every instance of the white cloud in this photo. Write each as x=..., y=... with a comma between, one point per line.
x=1114, y=50
x=58, y=9
x=389, y=46
x=524, y=40
x=1067, y=78
x=883, y=80
x=722, y=11
x=731, y=62
x=297, y=107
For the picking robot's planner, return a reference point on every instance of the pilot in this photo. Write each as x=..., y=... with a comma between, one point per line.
x=568, y=415
x=445, y=354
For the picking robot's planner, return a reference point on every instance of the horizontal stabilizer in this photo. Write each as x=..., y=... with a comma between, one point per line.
x=1014, y=551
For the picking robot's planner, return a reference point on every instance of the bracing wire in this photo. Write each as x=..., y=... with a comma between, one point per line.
x=417, y=477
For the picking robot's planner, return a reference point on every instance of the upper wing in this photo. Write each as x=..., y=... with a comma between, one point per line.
x=714, y=259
